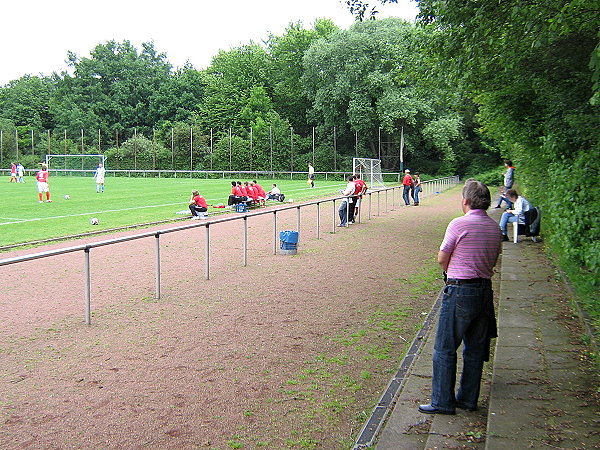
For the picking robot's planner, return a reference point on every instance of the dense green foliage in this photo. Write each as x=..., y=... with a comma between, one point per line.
x=532, y=67
x=319, y=95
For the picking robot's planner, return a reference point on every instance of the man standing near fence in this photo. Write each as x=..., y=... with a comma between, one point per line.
x=344, y=207
x=407, y=183
x=468, y=254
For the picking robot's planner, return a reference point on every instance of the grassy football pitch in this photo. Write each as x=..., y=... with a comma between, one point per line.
x=126, y=201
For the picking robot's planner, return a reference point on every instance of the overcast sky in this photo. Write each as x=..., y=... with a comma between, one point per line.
x=36, y=35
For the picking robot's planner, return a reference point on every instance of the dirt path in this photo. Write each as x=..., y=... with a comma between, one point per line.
x=291, y=351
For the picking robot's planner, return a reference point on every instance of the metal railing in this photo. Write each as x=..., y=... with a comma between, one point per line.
x=430, y=187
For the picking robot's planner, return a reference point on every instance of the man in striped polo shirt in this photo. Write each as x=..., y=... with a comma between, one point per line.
x=467, y=255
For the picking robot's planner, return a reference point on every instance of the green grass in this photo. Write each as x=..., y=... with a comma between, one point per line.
x=125, y=202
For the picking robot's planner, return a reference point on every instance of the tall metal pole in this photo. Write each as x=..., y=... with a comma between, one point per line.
x=99, y=147
x=271, y=147
x=230, y=149
x=32, y=153
x=16, y=144
x=291, y=149
x=191, y=149
x=172, y=148
x=313, y=146
x=135, y=149
x=82, y=146
x=211, y=149
x=251, y=144
x=379, y=147
x=49, y=143
x=334, y=150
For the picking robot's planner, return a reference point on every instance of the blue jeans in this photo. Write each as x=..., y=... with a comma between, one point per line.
x=416, y=194
x=464, y=317
x=405, y=195
x=503, y=198
x=505, y=219
x=344, y=212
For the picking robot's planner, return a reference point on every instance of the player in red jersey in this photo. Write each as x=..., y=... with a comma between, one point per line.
x=252, y=194
x=42, y=183
x=262, y=195
x=236, y=195
x=13, y=173
x=359, y=190
x=197, y=204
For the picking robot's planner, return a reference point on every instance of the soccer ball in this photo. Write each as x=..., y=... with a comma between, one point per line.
x=94, y=221
x=67, y=197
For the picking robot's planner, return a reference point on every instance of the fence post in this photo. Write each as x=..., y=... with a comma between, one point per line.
x=245, y=241
x=298, y=221
x=88, y=287
x=207, y=253
x=370, y=197
x=378, y=194
x=157, y=294
x=318, y=221
x=334, y=216
x=275, y=232
x=386, y=201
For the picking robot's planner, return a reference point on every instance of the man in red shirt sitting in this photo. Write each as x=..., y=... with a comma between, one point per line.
x=236, y=195
x=262, y=195
x=197, y=204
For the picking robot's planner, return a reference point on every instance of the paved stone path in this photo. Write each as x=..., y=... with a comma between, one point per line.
x=540, y=391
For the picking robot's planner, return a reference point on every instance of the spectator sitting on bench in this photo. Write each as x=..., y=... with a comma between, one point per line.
x=262, y=195
x=252, y=194
x=236, y=195
x=197, y=204
x=275, y=194
x=517, y=214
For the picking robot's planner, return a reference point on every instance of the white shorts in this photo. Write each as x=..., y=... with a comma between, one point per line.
x=42, y=187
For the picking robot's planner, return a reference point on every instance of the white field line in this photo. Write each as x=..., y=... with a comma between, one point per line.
x=14, y=220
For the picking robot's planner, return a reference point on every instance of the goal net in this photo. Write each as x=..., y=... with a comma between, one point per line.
x=369, y=171
x=74, y=162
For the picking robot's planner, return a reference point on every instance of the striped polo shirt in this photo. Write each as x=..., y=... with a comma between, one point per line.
x=474, y=242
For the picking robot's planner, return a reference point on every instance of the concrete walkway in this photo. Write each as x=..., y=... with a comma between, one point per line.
x=538, y=392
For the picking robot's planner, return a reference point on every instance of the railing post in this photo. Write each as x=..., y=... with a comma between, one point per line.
x=378, y=194
x=275, y=232
x=207, y=253
x=88, y=287
x=298, y=220
x=157, y=294
x=370, y=197
x=386, y=201
x=318, y=221
x=334, y=216
x=245, y=241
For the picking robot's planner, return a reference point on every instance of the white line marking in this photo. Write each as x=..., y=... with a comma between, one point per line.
x=14, y=220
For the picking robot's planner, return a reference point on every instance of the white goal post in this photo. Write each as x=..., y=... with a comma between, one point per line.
x=369, y=170
x=74, y=162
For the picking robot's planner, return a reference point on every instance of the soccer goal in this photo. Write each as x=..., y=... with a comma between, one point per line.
x=369, y=171
x=74, y=162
